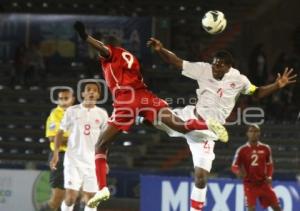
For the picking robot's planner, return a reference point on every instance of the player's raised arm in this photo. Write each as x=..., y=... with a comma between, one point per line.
x=282, y=80
x=98, y=45
x=165, y=54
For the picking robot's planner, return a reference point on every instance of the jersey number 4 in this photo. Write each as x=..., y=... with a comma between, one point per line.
x=254, y=159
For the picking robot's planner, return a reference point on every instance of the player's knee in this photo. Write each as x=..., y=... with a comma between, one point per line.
x=201, y=177
x=54, y=204
x=101, y=146
x=200, y=181
x=86, y=197
x=70, y=200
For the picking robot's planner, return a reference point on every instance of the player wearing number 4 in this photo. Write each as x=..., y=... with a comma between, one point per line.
x=85, y=122
x=253, y=162
x=219, y=87
x=131, y=98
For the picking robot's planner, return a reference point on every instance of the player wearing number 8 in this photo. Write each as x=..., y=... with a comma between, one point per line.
x=253, y=162
x=85, y=122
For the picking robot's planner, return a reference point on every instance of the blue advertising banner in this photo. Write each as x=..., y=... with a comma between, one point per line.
x=58, y=41
x=173, y=194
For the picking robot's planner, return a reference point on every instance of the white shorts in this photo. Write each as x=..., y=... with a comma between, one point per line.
x=77, y=177
x=202, y=149
x=203, y=154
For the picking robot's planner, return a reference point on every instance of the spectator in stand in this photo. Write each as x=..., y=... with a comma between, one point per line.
x=258, y=65
x=35, y=66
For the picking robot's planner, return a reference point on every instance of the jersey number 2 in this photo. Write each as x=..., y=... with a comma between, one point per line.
x=254, y=159
x=128, y=58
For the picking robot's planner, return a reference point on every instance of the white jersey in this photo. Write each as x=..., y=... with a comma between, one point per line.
x=85, y=125
x=216, y=98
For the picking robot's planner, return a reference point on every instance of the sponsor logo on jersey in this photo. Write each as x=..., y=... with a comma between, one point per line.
x=232, y=85
x=52, y=126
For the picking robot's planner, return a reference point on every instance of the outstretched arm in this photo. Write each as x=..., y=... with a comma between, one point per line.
x=98, y=45
x=164, y=53
x=282, y=80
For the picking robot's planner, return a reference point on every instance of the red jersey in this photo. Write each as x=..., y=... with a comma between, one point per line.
x=121, y=70
x=256, y=161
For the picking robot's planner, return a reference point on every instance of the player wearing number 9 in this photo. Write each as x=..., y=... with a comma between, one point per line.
x=85, y=122
x=131, y=96
x=253, y=162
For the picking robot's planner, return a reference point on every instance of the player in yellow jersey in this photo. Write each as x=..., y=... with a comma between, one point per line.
x=65, y=100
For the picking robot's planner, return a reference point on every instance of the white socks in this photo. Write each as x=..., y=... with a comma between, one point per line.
x=86, y=208
x=64, y=207
x=198, y=197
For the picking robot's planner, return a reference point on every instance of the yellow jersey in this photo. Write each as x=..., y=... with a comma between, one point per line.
x=53, y=125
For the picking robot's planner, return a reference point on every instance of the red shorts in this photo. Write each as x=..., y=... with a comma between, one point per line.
x=264, y=193
x=130, y=104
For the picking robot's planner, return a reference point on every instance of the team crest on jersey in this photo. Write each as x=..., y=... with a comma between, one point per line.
x=260, y=152
x=97, y=121
x=52, y=126
x=232, y=85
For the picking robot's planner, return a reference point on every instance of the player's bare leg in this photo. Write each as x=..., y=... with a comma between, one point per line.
x=102, y=146
x=174, y=122
x=167, y=117
x=276, y=208
x=199, y=190
x=56, y=198
x=70, y=199
x=86, y=196
x=55, y=201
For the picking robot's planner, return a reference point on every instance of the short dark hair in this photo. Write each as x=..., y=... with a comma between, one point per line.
x=112, y=40
x=225, y=56
x=65, y=90
x=84, y=84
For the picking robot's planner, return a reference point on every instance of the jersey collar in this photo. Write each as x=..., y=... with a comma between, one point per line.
x=59, y=108
x=85, y=108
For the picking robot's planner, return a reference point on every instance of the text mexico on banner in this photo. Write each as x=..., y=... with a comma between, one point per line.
x=172, y=194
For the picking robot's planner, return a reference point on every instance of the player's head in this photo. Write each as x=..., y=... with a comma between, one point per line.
x=112, y=40
x=253, y=133
x=222, y=62
x=91, y=91
x=65, y=98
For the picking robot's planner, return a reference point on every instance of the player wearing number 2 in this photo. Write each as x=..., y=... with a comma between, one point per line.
x=85, y=122
x=253, y=162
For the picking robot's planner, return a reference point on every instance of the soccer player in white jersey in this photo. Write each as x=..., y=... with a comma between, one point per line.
x=85, y=122
x=219, y=87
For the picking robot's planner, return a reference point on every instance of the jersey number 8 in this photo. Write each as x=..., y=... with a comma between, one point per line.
x=87, y=129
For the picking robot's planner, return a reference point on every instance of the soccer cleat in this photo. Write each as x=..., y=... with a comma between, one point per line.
x=99, y=197
x=218, y=129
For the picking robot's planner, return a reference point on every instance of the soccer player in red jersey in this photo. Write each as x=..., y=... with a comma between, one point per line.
x=131, y=98
x=253, y=162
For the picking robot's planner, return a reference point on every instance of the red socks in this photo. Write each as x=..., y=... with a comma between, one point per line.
x=101, y=169
x=197, y=205
x=195, y=124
